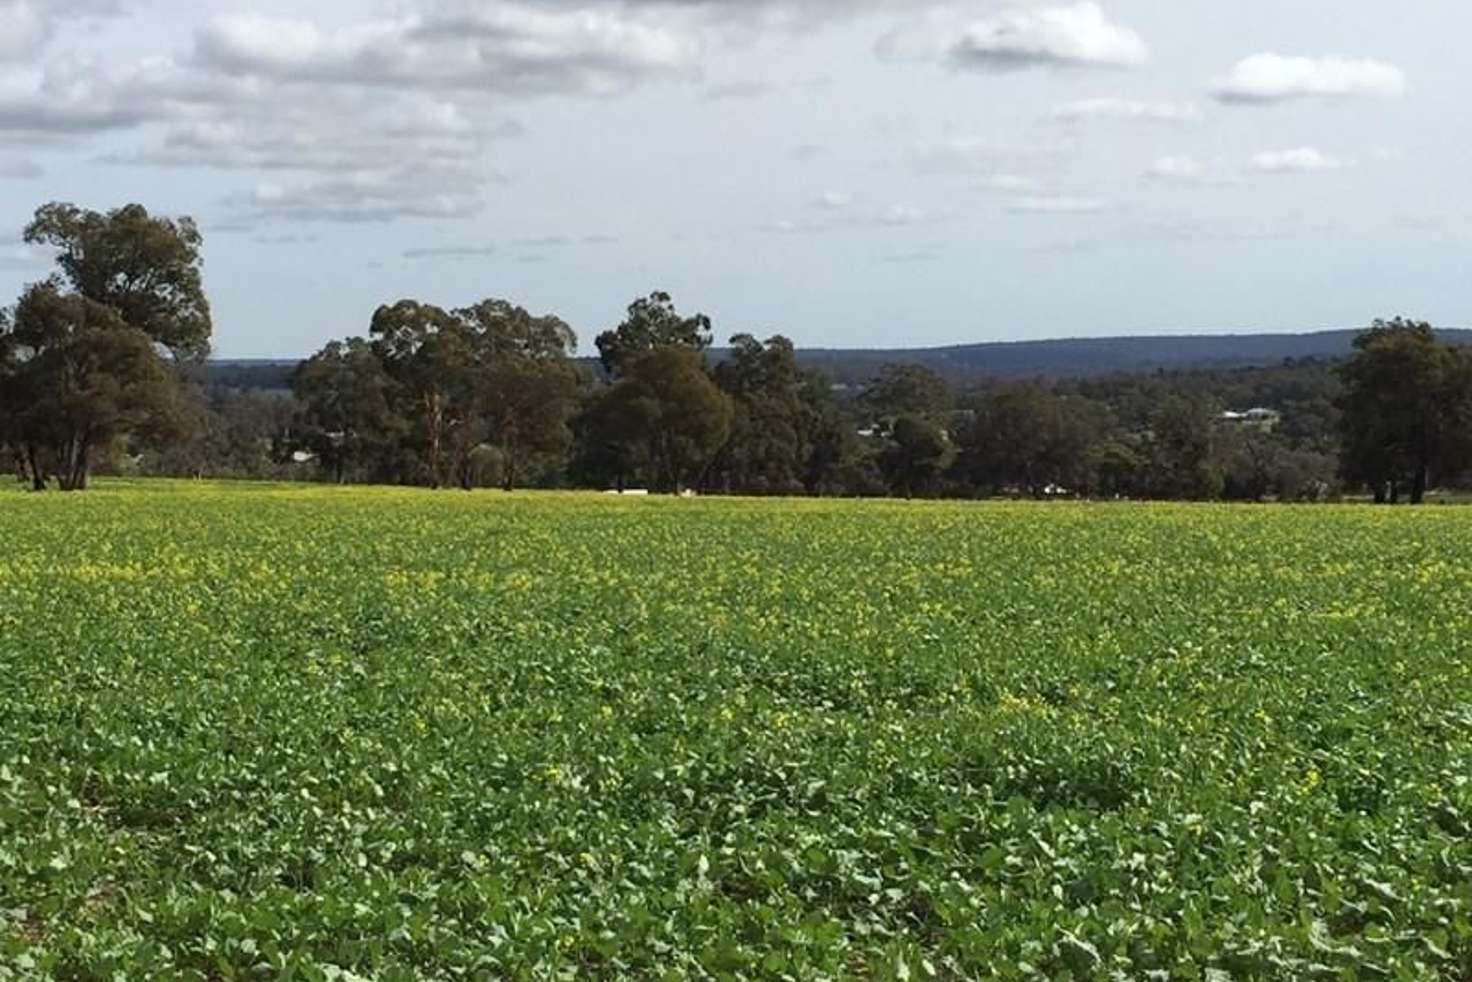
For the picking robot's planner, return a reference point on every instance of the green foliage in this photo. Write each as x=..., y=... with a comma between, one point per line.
x=1407, y=409
x=337, y=733
x=344, y=393
x=87, y=377
x=907, y=390
x=1028, y=437
x=435, y=394
x=917, y=454
x=1184, y=462
x=652, y=322
x=773, y=426
x=666, y=412
x=144, y=267
x=78, y=365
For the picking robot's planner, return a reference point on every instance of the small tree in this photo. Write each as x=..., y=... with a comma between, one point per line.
x=527, y=387
x=1406, y=410
x=917, y=455
x=84, y=346
x=770, y=439
x=671, y=414
x=345, y=395
x=430, y=354
x=1183, y=460
x=85, y=377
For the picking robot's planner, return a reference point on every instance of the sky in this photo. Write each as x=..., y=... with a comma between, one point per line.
x=850, y=173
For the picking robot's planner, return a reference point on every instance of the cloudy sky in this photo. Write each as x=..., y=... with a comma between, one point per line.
x=848, y=172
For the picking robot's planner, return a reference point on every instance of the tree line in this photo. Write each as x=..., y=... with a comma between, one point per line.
x=102, y=366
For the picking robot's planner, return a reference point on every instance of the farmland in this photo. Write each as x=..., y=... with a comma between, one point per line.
x=260, y=732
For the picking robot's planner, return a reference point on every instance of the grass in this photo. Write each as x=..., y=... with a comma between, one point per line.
x=273, y=731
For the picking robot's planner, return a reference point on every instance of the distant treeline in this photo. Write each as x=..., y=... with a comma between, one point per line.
x=102, y=369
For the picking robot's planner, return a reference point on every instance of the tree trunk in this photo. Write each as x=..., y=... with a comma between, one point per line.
x=75, y=465
x=510, y=456
x=1395, y=492
x=1418, y=487
x=1380, y=496
x=38, y=475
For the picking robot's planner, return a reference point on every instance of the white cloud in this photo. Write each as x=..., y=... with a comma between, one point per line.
x=736, y=91
x=1009, y=184
x=834, y=200
x=929, y=254
x=1058, y=205
x=503, y=46
x=1127, y=109
x=368, y=121
x=1177, y=169
x=1185, y=169
x=22, y=30
x=1268, y=78
x=1077, y=34
x=902, y=215
x=28, y=26
x=365, y=196
x=981, y=156
x=1303, y=160
x=450, y=252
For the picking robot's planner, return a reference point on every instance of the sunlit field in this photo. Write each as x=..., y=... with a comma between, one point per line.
x=253, y=732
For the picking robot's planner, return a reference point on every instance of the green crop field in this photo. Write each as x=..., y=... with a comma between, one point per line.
x=334, y=734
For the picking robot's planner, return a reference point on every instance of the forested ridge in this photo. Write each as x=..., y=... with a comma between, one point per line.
x=103, y=369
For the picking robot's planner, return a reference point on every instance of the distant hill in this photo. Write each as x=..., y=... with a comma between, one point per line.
x=1073, y=357
x=970, y=363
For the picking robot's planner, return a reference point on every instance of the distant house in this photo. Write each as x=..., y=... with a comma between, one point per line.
x=1257, y=418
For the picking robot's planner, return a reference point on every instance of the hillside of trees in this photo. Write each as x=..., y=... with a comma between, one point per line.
x=103, y=370
x=971, y=365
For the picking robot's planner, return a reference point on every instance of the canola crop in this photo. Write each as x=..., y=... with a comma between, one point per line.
x=333, y=734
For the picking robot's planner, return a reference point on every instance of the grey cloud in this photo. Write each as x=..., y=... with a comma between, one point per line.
x=450, y=252
x=977, y=156
x=543, y=242
x=366, y=197
x=1110, y=107
x=508, y=47
x=733, y=91
x=23, y=30
x=912, y=257
x=23, y=258
x=20, y=169
x=1057, y=205
x=28, y=26
x=289, y=238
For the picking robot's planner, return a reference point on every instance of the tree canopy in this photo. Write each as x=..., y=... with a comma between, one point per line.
x=1407, y=410
x=145, y=267
x=80, y=353
x=652, y=322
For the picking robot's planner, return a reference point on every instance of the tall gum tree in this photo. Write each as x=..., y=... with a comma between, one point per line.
x=87, y=346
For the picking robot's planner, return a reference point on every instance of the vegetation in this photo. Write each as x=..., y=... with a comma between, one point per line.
x=339, y=733
x=1407, y=410
x=79, y=355
x=100, y=368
